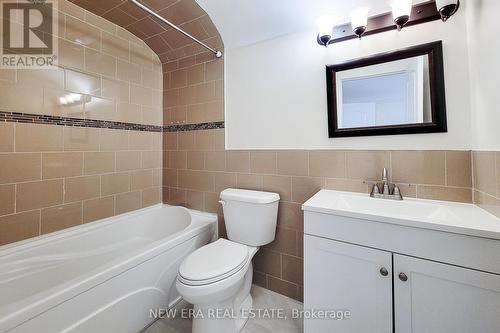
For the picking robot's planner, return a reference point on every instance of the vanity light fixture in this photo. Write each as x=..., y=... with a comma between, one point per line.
x=447, y=8
x=359, y=21
x=401, y=10
x=325, y=29
x=402, y=14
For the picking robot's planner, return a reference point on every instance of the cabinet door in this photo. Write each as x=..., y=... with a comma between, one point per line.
x=440, y=298
x=340, y=276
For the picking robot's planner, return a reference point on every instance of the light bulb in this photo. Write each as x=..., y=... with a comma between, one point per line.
x=401, y=10
x=359, y=21
x=325, y=29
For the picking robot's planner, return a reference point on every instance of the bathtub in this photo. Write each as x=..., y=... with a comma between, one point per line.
x=104, y=276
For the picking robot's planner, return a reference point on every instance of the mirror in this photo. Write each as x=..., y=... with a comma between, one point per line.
x=400, y=92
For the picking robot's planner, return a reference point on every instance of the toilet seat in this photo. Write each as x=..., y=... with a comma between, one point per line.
x=213, y=262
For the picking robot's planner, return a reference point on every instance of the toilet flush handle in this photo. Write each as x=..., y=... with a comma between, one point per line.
x=222, y=202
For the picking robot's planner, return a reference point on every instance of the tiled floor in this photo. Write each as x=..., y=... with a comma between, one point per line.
x=262, y=299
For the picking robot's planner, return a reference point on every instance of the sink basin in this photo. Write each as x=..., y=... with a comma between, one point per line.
x=438, y=215
x=408, y=209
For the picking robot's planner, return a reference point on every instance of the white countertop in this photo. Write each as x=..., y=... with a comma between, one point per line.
x=460, y=218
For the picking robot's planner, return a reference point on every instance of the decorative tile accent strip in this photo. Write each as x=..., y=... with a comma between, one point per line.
x=193, y=127
x=18, y=117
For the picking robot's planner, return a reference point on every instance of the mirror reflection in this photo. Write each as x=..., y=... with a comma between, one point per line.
x=391, y=93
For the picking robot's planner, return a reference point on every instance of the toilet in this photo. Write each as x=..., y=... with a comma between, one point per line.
x=217, y=277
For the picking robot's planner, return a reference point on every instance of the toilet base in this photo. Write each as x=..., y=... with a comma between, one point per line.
x=229, y=321
x=228, y=316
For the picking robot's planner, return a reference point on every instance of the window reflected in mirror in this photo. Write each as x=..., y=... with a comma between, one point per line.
x=394, y=93
x=387, y=94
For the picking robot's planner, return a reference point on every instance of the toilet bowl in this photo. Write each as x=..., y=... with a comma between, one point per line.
x=217, y=277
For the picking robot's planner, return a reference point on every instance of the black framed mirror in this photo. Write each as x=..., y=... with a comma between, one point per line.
x=399, y=92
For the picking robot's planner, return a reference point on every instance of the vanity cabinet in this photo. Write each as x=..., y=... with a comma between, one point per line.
x=443, y=298
x=374, y=285
x=398, y=274
x=341, y=276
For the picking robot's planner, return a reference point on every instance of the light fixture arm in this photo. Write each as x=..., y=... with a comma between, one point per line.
x=323, y=40
x=401, y=21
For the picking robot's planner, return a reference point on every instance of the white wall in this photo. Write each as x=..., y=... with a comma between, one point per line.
x=276, y=90
x=245, y=22
x=484, y=59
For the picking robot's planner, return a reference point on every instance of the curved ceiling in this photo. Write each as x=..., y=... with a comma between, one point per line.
x=167, y=43
x=244, y=22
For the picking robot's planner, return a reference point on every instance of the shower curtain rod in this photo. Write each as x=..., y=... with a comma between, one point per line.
x=218, y=54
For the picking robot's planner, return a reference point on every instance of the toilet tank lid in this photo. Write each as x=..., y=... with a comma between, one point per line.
x=258, y=197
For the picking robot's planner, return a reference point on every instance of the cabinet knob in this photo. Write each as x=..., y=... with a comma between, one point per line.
x=384, y=271
x=403, y=277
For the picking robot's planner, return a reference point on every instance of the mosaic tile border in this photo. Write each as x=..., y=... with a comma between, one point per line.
x=194, y=127
x=18, y=117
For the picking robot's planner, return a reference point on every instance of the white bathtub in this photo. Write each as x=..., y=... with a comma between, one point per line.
x=101, y=277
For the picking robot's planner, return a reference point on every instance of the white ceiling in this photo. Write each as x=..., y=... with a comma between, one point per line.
x=243, y=22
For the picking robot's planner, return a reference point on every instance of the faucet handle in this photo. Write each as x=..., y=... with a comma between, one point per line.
x=397, y=193
x=375, y=190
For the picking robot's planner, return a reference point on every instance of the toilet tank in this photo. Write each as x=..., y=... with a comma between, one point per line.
x=250, y=216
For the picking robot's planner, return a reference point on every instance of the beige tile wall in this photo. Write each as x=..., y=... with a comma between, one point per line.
x=193, y=82
x=486, y=166
x=197, y=168
x=194, y=90
x=120, y=73
x=55, y=177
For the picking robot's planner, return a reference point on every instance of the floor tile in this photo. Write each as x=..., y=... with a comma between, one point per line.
x=263, y=299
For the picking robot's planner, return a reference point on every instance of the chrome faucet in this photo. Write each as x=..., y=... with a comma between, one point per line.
x=386, y=190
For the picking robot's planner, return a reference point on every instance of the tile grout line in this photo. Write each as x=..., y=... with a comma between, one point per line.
x=497, y=175
x=473, y=177
x=40, y=222
x=445, y=168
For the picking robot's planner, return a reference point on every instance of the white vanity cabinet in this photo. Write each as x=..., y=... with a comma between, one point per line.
x=349, y=279
x=443, y=298
x=395, y=273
